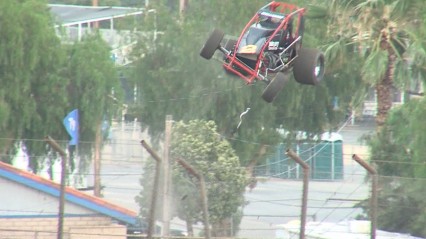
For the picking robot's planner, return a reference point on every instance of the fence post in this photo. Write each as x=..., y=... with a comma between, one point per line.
x=58, y=149
x=151, y=223
x=373, y=201
x=306, y=170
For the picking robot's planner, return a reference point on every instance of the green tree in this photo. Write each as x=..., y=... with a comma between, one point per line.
x=43, y=80
x=92, y=88
x=398, y=151
x=385, y=33
x=387, y=36
x=198, y=143
x=32, y=94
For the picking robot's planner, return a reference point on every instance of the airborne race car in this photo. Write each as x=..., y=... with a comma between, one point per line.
x=269, y=47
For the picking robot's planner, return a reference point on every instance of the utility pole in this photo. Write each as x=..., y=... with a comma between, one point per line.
x=306, y=168
x=203, y=194
x=373, y=200
x=183, y=4
x=97, y=161
x=166, y=177
x=154, y=195
x=95, y=3
x=61, y=152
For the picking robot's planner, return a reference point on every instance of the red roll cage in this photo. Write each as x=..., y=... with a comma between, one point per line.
x=287, y=11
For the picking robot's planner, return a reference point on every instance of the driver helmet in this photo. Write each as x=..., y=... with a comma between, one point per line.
x=268, y=20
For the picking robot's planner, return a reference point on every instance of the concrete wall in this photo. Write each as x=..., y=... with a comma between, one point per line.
x=74, y=228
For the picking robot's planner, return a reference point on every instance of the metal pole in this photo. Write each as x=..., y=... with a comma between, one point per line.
x=373, y=201
x=305, y=167
x=151, y=222
x=58, y=149
x=203, y=194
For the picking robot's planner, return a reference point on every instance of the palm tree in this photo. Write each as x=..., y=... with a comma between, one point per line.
x=386, y=34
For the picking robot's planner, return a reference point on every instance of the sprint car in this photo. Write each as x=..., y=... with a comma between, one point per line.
x=268, y=49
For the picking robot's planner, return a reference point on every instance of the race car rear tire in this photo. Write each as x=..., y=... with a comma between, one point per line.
x=309, y=66
x=212, y=44
x=275, y=86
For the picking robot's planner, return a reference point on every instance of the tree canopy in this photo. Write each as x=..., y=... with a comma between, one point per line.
x=33, y=92
x=398, y=151
x=42, y=80
x=386, y=34
x=93, y=85
x=200, y=145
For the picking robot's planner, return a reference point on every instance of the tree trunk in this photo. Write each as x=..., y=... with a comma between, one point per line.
x=384, y=90
x=189, y=227
x=222, y=228
x=252, y=164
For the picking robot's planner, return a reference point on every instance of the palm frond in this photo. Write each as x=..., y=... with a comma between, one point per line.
x=404, y=6
x=375, y=66
x=369, y=4
x=336, y=49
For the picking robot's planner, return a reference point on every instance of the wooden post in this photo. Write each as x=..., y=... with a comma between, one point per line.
x=203, y=194
x=154, y=195
x=305, y=167
x=58, y=149
x=373, y=200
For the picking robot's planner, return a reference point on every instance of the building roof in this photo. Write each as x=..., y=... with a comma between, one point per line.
x=72, y=195
x=68, y=15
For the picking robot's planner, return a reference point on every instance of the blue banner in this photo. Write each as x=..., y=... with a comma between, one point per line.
x=72, y=125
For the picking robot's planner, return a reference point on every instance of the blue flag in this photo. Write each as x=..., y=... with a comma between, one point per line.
x=71, y=125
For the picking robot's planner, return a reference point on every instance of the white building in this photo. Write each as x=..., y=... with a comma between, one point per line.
x=325, y=230
x=73, y=22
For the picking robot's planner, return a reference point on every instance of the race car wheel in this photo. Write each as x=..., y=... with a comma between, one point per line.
x=212, y=43
x=309, y=66
x=274, y=87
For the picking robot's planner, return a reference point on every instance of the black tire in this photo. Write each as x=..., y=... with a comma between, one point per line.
x=309, y=66
x=212, y=44
x=274, y=87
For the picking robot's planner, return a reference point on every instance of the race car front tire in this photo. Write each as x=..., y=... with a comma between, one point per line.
x=275, y=86
x=212, y=44
x=309, y=66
